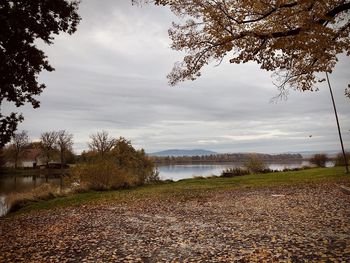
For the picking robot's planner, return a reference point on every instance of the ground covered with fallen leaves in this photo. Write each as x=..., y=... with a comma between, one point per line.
x=279, y=224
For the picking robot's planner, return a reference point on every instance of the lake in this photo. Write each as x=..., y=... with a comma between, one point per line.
x=22, y=184
x=182, y=171
x=172, y=172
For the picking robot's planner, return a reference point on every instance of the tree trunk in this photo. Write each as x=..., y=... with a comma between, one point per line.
x=62, y=158
x=16, y=160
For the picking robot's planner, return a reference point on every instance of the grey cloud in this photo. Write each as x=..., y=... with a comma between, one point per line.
x=111, y=75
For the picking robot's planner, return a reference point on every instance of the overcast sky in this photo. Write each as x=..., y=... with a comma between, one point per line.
x=111, y=75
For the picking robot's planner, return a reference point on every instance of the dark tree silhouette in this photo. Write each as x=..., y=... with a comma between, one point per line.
x=48, y=142
x=64, y=144
x=20, y=141
x=22, y=24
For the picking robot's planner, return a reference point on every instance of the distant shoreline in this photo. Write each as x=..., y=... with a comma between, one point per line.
x=162, y=163
x=228, y=158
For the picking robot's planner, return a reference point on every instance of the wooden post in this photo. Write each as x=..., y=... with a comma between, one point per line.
x=336, y=118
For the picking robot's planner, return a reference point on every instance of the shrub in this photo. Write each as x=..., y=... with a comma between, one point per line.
x=267, y=170
x=306, y=167
x=199, y=177
x=231, y=172
x=255, y=164
x=102, y=175
x=121, y=167
x=295, y=169
x=134, y=161
x=339, y=159
x=153, y=177
x=319, y=160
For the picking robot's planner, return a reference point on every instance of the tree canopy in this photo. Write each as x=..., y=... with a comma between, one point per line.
x=22, y=24
x=101, y=143
x=64, y=143
x=16, y=149
x=296, y=39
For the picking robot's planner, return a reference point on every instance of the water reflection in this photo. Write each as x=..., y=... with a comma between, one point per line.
x=20, y=184
x=182, y=171
x=10, y=184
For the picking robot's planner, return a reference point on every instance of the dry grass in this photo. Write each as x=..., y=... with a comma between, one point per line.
x=15, y=201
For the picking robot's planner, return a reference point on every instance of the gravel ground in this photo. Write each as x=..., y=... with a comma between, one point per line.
x=291, y=224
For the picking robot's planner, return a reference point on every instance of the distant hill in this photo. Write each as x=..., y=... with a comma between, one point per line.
x=178, y=152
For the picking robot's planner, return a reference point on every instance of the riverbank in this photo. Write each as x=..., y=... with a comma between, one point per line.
x=294, y=216
x=193, y=187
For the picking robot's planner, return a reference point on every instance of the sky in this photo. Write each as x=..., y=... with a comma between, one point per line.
x=111, y=75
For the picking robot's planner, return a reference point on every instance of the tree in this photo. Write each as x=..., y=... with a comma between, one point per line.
x=16, y=150
x=123, y=152
x=294, y=38
x=123, y=166
x=64, y=144
x=2, y=160
x=22, y=24
x=101, y=143
x=48, y=142
x=255, y=164
x=19, y=143
x=319, y=160
x=339, y=159
x=8, y=125
x=135, y=162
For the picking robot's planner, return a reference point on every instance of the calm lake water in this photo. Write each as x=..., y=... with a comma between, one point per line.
x=20, y=184
x=173, y=172
x=183, y=171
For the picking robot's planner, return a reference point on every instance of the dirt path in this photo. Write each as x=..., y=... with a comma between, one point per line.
x=277, y=225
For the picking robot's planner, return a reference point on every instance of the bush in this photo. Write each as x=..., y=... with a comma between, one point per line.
x=121, y=167
x=267, y=170
x=306, y=167
x=101, y=175
x=231, y=172
x=339, y=159
x=319, y=160
x=255, y=164
x=153, y=177
x=134, y=161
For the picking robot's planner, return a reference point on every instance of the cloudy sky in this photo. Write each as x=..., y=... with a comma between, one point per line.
x=111, y=75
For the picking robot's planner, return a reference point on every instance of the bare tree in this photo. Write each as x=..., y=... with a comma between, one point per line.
x=64, y=143
x=19, y=142
x=101, y=143
x=48, y=142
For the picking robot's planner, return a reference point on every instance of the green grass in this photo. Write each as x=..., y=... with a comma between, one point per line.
x=193, y=188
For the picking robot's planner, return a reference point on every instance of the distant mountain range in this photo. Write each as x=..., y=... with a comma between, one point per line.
x=178, y=152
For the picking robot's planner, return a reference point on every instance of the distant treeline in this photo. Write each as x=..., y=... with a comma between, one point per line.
x=228, y=157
